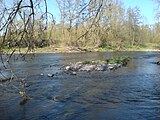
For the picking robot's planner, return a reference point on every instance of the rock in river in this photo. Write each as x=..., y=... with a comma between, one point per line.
x=87, y=68
x=158, y=63
x=5, y=75
x=73, y=73
x=50, y=75
x=114, y=66
x=91, y=67
x=100, y=67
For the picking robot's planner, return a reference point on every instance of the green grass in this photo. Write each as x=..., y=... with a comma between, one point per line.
x=149, y=46
x=143, y=47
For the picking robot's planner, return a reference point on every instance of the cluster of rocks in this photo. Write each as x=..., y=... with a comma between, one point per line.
x=97, y=66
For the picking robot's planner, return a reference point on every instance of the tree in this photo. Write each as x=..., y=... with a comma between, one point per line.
x=158, y=10
x=80, y=17
x=134, y=21
x=17, y=29
x=18, y=22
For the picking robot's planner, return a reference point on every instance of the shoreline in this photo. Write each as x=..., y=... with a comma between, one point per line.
x=73, y=50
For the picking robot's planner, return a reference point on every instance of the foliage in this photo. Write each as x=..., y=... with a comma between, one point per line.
x=119, y=60
x=103, y=24
x=113, y=60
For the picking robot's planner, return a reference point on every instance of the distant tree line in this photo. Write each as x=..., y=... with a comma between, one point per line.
x=84, y=23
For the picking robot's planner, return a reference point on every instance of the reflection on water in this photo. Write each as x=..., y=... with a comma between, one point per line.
x=131, y=92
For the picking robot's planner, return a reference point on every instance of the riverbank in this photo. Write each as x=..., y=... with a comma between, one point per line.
x=75, y=50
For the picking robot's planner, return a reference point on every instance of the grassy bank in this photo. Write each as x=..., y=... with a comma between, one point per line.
x=62, y=49
x=147, y=47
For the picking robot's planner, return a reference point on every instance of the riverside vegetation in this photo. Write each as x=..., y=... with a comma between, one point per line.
x=83, y=25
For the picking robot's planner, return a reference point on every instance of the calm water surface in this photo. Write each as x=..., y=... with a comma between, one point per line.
x=129, y=93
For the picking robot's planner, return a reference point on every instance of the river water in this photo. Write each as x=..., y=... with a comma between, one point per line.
x=129, y=93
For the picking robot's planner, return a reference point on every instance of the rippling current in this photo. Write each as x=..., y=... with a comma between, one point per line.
x=129, y=93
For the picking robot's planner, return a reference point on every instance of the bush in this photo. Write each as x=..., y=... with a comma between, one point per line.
x=119, y=60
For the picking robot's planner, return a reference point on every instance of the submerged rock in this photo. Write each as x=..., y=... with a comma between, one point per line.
x=5, y=75
x=158, y=63
x=59, y=99
x=50, y=75
x=73, y=73
x=41, y=74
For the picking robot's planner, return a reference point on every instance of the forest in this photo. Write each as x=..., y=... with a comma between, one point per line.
x=90, y=24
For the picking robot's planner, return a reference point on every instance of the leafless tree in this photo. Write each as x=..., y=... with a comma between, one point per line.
x=18, y=28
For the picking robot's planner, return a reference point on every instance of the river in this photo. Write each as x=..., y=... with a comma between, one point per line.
x=129, y=93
